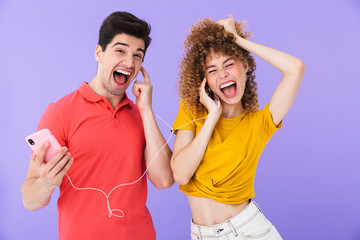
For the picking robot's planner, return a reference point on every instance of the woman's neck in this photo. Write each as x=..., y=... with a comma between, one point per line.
x=231, y=111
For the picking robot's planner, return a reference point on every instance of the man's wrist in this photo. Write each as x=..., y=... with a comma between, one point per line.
x=146, y=112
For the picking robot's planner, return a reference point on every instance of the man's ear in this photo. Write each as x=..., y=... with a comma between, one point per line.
x=98, y=53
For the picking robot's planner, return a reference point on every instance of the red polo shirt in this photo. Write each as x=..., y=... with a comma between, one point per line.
x=107, y=146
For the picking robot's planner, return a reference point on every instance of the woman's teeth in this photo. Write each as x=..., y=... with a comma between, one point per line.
x=226, y=85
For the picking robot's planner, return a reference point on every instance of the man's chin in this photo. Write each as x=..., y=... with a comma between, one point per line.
x=116, y=90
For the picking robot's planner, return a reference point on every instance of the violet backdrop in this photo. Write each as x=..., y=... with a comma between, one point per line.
x=308, y=177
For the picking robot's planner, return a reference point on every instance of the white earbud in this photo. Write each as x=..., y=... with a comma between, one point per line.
x=218, y=100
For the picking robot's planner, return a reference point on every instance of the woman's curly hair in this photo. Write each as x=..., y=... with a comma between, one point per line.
x=204, y=37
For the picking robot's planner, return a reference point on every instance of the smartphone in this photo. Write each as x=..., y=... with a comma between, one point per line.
x=209, y=92
x=38, y=139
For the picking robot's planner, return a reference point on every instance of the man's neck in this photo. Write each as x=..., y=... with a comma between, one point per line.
x=112, y=99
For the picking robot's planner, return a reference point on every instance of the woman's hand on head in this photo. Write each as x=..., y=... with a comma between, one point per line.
x=229, y=25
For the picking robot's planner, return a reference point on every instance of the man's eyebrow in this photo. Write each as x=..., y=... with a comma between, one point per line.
x=141, y=50
x=127, y=45
x=119, y=43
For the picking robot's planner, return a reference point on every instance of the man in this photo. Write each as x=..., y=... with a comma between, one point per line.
x=108, y=140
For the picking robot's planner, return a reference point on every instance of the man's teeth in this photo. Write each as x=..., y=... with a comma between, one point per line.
x=123, y=72
x=227, y=84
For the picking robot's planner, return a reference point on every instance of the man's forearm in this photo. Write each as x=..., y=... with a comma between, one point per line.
x=159, y=173
x=35, y=195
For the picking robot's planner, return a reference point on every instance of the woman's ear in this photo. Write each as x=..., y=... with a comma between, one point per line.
x=246, y=66
x=98, y=53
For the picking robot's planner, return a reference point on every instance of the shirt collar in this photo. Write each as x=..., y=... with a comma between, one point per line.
x=89, y=94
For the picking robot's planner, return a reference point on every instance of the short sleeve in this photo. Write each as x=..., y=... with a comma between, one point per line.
x=267, y=121
x=184, y=119
x=52, y=119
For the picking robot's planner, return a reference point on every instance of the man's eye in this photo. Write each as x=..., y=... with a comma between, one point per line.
x=138, y=56
x=120, y=51
x=212, y=71
x=229, y=65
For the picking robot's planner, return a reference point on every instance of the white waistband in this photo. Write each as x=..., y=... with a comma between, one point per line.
x=239, y=219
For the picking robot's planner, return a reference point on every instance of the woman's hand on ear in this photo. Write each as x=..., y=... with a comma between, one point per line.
x=212, y=105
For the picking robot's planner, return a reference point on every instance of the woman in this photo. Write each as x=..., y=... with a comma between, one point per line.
x=220, y=133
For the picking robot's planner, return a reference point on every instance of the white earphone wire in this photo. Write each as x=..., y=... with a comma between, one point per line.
x=111, y=211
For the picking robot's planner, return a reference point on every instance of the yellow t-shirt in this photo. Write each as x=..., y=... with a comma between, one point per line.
x=227, y=171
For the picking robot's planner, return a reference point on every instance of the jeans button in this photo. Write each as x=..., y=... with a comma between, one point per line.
x=219, y=230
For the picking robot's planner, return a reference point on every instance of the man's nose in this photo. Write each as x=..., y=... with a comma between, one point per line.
x=128, y=61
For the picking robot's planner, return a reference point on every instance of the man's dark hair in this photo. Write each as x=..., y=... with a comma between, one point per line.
x=123, y=22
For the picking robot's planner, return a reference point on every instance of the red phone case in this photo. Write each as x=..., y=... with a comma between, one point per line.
x=38, y=139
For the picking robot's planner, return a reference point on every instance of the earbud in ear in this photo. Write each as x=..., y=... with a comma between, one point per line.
x=218, y=100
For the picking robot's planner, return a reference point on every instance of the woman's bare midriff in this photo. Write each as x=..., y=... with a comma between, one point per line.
x=206, y=211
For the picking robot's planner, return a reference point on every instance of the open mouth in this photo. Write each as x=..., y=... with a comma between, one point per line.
x=121, y=77
x=228, y=89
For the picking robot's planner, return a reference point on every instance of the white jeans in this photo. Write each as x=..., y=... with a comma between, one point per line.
x=250, y=223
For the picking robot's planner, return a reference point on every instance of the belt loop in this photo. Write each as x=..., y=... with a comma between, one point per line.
x=256, y=205
x=232, y=228
x=199, y=237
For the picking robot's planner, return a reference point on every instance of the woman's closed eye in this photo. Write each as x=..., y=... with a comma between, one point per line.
x=211, y=71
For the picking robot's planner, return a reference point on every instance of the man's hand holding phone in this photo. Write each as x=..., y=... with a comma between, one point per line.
x=50, y=160
x=51, y=173
x=48, y=165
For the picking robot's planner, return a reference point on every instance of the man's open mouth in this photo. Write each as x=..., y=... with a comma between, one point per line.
x=228, y=89
x=121, y=77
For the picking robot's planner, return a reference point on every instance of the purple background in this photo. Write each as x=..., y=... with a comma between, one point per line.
x=308, y=177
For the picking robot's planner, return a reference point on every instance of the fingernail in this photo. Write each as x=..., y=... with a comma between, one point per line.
x=46, y=144
x=64, y=149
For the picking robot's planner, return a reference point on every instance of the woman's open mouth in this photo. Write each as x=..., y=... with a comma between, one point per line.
x=229, y=89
